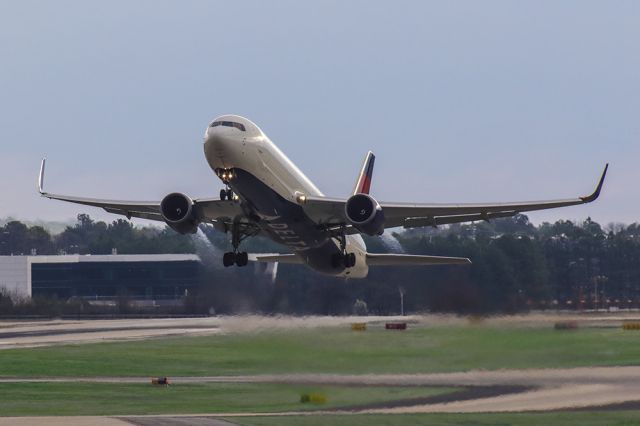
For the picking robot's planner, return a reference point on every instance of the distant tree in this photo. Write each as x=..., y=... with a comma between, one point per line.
x=516, y=266
x=39, y=240
x=14, y=238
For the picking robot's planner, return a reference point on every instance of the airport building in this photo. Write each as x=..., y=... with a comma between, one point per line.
x=140, y=276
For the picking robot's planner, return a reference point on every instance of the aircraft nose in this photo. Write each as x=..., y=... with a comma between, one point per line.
x=217, y=140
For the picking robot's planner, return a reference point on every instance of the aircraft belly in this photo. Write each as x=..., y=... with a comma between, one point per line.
x=285, y=222
x=267, y=190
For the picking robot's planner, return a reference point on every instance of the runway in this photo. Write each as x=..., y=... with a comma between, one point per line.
x=25, y=334
x=21, y=334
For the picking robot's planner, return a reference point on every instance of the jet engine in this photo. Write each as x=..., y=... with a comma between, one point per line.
x=177, y=210
x=365, y=214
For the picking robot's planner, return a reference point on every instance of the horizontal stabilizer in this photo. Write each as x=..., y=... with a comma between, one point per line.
x=413, y=260
x=275, y=257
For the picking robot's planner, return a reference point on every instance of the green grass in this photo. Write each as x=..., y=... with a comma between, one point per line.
x=324, y=350
x=34, y=399
x=592, y=418
x=333, y=350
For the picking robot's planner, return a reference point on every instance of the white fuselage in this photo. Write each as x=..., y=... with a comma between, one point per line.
x=248, y=149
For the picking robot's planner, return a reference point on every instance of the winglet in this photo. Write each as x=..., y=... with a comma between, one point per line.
x=596, y=193
x=363, y=184
x=41, y=177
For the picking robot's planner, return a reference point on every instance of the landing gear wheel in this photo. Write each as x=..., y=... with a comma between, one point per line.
x=242, y=258
x=223, y=194
x=228, y=259
x=349, y=260
x=229, y=194
x=344, y=259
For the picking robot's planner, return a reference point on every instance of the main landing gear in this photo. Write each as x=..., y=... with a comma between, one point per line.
x=348, y=260
x=239, y=258
x=226, y=194
x=239, y=231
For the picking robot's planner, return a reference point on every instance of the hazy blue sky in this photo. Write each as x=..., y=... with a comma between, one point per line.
x=461, y=101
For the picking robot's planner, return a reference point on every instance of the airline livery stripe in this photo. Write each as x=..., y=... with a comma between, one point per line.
x=365, y=185
x=364, y=182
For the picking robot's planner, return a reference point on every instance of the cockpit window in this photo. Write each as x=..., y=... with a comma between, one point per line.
x=228, y=124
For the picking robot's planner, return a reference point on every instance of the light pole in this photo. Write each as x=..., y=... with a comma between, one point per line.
x=401, y=291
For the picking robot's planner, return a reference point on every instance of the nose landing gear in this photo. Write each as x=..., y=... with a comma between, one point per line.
x=226, y=175
x=227, y=194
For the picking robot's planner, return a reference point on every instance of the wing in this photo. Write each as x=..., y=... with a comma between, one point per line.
x=207, y=209
x=329, y=212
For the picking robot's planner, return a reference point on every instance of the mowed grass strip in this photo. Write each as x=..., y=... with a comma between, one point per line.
x=587, y=418
x=38, y=399
x=333, y=350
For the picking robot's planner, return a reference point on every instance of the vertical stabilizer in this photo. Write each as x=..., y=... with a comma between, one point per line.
x=366, y=173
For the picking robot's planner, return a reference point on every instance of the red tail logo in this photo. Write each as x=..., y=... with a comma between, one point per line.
x=363, y=185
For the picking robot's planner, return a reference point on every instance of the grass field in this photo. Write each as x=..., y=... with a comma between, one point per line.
x=321, y=350
x=19, y=399
x=333, y=350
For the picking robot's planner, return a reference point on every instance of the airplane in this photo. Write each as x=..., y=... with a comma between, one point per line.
x=266, y=194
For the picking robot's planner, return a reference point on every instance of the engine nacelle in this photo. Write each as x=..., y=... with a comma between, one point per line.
x=365, y=214
x=177, y=212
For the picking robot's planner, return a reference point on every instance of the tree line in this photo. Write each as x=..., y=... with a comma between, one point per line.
x=91, y=237
x=516, y=266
